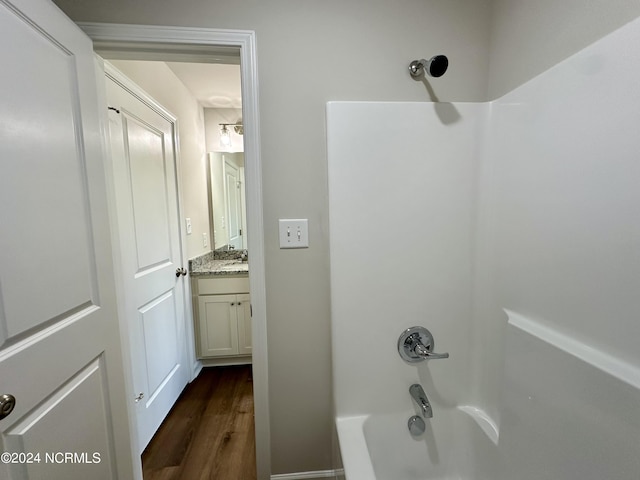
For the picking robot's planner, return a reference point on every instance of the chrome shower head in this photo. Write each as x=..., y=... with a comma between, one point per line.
x=434, y=67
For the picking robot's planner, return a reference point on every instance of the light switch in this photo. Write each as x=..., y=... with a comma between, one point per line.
x=294, y=233
x=188, y=222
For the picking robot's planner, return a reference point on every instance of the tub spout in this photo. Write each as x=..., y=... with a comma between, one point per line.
x=417, y=392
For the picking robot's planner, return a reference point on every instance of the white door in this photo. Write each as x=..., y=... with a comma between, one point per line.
x=60, y=354
x=233, y=196
x=144, y=166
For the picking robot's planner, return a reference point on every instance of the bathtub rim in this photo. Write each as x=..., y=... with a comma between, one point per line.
x=353, y=446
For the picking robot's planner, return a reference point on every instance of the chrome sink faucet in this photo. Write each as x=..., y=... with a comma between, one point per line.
x=417, y=392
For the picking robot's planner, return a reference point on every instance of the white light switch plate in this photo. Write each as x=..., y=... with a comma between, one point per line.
x=294, y=233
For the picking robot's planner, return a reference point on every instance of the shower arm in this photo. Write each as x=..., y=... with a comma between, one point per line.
x=416, y=68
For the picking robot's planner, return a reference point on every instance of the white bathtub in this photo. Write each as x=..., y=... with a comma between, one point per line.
x=456, y=445
x=568, y=412
x=495, y=211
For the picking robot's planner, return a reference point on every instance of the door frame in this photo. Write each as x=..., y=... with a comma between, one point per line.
x=154, y=39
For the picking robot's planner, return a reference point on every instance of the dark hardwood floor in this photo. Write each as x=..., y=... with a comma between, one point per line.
x=209, y=432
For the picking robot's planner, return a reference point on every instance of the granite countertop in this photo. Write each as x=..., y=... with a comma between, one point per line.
x=213, y=263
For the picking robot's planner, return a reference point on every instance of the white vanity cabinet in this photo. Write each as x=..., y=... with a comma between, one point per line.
x=223, y=316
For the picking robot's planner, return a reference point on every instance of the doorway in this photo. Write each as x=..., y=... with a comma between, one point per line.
x=200, y=45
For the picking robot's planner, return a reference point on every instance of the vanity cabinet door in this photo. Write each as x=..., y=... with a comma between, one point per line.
x=243, y=310
x=218, y=325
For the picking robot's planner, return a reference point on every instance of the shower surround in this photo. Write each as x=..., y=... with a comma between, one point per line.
x=519, y=220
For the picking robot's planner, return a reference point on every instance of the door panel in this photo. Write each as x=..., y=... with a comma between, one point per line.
x=83, y=397
x=144, y=166
x=218, y=325
x=159, y=329
x=60, y=351
x=44, y=153
x=234, y=212
x=148, y=187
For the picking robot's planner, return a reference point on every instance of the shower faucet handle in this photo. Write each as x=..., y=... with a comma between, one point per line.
x=416, y=344
x=424, y=353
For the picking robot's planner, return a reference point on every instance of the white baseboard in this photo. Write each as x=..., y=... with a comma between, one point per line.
x=195, y=371
x=317, y=475
x=220, y=361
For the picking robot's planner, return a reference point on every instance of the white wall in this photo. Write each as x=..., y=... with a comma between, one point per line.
x=559, y=215
x=157, y=79
x=529, y=37
x=402, y=189
x=560, y=257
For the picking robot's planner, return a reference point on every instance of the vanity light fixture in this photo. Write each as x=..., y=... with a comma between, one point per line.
x=225, y=135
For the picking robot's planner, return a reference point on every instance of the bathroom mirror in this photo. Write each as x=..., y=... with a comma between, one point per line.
x=227, y=200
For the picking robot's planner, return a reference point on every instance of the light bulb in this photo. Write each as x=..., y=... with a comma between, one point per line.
x=225, y=137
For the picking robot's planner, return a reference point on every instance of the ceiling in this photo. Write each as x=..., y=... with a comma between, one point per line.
x=213, y=85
